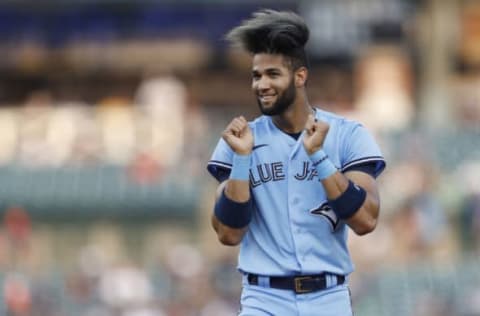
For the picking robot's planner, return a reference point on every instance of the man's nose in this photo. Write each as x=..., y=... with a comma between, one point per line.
x=263, y=84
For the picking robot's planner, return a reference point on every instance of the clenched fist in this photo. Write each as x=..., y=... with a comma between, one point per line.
x=315, y=133
x=238, y=136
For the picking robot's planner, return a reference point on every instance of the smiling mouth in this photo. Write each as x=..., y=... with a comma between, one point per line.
x=266, y=98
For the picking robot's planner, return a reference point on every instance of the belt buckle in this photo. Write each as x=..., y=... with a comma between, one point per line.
x=298, y=285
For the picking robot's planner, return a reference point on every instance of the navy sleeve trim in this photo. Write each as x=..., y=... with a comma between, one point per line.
x=367, y=167
x=220, y=163
x=378, y=161
x=219, y=170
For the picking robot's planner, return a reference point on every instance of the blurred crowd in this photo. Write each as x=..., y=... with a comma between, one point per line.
x=96, y=271
x=149, y=127
x=419, y=95
x=430, y=205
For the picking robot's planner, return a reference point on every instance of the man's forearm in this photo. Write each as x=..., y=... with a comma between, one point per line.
x=233, y=211
x=359, y=209
x=237, y=190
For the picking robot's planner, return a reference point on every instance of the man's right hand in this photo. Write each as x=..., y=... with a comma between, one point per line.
x=238, y=136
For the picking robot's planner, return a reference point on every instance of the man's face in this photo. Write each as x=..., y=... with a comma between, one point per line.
x=272, y=83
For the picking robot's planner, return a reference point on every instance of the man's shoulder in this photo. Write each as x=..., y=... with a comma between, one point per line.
x=335, y=119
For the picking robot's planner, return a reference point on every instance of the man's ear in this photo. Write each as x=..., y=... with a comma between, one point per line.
x=301, y=75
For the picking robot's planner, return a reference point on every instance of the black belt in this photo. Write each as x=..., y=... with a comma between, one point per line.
x=299, y=284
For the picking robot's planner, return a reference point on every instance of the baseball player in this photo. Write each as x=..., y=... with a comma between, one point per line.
x=292, y=181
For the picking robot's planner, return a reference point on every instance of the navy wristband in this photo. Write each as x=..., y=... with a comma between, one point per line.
x=231, y=213
x=349, y=202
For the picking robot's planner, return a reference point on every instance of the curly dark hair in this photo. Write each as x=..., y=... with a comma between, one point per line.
x=273, y=32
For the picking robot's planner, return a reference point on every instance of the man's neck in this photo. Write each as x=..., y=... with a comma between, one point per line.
x=294, y=118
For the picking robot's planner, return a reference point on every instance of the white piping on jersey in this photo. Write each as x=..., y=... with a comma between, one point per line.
x=363, y=160
x=219, y=164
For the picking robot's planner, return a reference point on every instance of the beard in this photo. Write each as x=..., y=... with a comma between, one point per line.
x=282, y=103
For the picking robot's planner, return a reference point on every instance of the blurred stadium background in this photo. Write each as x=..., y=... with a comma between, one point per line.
x=111, y=108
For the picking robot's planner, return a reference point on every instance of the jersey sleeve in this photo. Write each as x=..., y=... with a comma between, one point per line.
x=220, y=163
x=360, y=148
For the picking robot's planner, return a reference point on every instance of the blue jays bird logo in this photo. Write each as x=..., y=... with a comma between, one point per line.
x=325, y=210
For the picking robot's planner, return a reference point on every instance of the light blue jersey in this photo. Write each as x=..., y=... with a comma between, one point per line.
x=293, y=230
